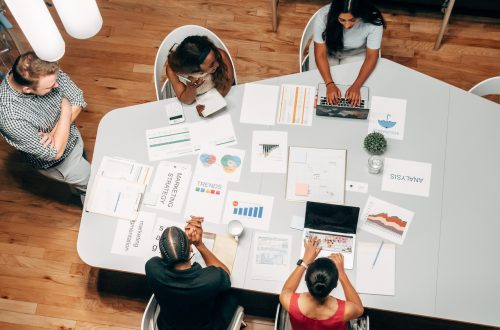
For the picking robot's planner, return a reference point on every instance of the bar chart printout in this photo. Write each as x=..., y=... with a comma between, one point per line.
x=248, y=211
x=252, y=210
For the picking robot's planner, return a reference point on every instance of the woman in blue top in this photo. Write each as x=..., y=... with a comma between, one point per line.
x=347, y=31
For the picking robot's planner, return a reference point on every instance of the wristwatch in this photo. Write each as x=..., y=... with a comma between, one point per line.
x=301, y=262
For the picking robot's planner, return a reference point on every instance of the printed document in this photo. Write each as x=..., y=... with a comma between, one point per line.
x=206, y=198
x=212, y=100
x=128, y=170
x=222, y=163
x=217, y=131
x=407, y=177
x=253, y=210
x=271, y=257
x=269, y=151
x=168, y=142
x=296, y=105
x=259, y=104
x=387, y=116
x=376, y=274
x=132, y=236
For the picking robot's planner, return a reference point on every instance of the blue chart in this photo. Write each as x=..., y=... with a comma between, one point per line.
x=252, y=212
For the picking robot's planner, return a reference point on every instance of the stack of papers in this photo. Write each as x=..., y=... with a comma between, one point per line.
x=118, y=188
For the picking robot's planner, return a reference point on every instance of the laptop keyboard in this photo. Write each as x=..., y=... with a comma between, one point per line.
x=342, y=103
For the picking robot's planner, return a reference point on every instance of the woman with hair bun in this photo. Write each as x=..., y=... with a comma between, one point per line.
x=316, y=309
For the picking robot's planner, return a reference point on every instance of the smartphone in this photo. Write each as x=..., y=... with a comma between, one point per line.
x=184, y=79
x=175, y=113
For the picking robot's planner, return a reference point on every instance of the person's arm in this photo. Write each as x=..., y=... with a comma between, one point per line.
x=194, y=232
x=353, y=94
x=292, y=283
x=185, y=93
x=354, y=306
x=223, y=90
x=61, y=134
x=321, y=56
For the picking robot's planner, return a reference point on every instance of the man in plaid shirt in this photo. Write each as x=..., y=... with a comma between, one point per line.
x=38, y=106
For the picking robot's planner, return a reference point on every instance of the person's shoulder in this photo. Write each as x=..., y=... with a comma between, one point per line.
x=153, y=263
x=215, y=272
x=372, y=27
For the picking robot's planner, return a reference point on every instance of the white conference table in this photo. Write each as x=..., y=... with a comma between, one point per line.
x=446, y=267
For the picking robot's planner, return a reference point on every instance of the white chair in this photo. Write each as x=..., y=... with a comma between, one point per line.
x=304, y=42
x=282, y=320
x=153, y=310
x=487, y=87
x=164, y=90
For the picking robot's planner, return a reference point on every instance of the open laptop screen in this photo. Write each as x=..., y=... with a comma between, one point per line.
x=331, y=217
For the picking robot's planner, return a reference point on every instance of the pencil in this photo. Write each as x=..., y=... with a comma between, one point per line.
x=378, y=253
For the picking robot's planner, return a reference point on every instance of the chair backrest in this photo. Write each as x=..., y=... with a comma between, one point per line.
x=486, y=87
x=237, y=319
x=150, y=314
x=282, y=320
x=304, y=41
x=176, y=36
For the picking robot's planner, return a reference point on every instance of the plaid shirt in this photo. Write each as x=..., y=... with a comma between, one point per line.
x=23, y=116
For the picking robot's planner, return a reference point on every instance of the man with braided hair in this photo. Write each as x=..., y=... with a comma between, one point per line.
x=190, y=297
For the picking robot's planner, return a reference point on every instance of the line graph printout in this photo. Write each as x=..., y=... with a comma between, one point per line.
x=386, y=220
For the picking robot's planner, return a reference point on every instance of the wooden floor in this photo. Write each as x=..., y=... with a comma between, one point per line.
x=43, y=282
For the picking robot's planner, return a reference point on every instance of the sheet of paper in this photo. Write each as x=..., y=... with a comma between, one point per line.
x=160, y=225
x=124, y=169
x=116, y=198
x=407, y=177
x=387, y=116
x=378, y=278
x=132, y=237
x=253, y=210
x=208, y=239
x=271, y=257
x=225, y=248
x=222, y=163
x=259, y=104
x=170, y=186
x=385, y=220
x=168, y=142
x=332, y=243
x=297, y=223
x=217, y=131
x=316, y=175
x=212, y=100
x=296, y=105
x=269, y=151
x=206, y=198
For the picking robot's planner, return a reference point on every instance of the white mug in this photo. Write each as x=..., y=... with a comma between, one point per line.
x=235, y=228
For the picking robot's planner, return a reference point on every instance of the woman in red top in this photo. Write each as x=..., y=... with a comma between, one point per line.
x=316, y=309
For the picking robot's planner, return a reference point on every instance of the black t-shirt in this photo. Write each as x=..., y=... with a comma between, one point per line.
x=187, y=298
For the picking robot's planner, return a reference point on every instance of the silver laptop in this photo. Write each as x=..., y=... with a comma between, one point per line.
x=342, y=109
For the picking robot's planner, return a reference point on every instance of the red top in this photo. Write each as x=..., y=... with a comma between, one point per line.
x=301, y=322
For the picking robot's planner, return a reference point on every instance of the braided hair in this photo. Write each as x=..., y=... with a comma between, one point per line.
x=321, y=278
x=174, y=245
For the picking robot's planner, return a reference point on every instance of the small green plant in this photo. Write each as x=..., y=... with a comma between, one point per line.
x=375, y=143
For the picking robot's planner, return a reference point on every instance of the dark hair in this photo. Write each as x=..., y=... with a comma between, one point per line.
x=192, y=52
x=174, y=245
x=321, y=278
x=28, y=69
x=334, y=32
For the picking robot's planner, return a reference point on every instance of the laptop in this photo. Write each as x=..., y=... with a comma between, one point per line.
x=335, y=226
x=342, y=109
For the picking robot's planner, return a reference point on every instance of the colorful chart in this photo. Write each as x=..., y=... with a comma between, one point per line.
x=230, y=163
x=391, y=223
x=253, y=210
x=250, y=210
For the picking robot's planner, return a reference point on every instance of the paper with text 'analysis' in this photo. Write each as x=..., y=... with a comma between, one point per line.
x=386, y=220
x=206, y=198
x=169, y=187
x=316, y=175
x=387, y=116
x=269, y=151
x=376, y=271
x=253, y=210
x=222, y=163
x=132, y=237
x=296, y=105
x=259, y=104
x=271, y=257
x=407, y=177
x=186, y=139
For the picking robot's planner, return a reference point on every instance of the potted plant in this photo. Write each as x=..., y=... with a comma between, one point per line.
x=375, y=143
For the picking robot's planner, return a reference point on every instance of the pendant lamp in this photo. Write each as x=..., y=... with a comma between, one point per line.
x=81, y=18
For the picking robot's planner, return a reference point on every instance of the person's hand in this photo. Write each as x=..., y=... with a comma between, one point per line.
x=195, y=82
x=312, y=249
x=353, y=95
x=338, y=260
x=194, y=230
x=200, y=108
x=46, y=139
x=333, y=94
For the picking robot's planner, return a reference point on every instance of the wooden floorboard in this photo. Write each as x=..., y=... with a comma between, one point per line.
x=43, y=282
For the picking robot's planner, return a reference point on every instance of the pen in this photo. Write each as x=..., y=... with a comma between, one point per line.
x=378, y=253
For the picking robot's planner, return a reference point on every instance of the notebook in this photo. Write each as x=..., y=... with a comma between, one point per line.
x=335, y=226
x=342, y=109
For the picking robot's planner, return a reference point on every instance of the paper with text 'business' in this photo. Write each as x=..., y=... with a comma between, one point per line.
x=169, y=186
x=386, y=220
x=387, y=116
x=206, y=198
x=407, y=177
x=132, y=237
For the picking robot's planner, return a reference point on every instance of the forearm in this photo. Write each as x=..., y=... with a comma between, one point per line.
x=366, y=69
x=350, y=293
x=293, y=281
x=188, y=95
x=75, y=112
x=61, y=134
x=321, y=57
x=210, y=258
